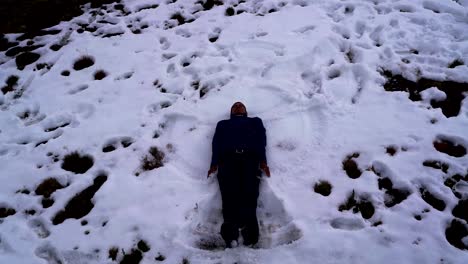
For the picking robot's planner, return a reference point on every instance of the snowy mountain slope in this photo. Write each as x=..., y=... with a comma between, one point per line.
x=316, y=72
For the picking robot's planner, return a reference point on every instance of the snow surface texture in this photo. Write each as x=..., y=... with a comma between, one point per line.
x=310, y=69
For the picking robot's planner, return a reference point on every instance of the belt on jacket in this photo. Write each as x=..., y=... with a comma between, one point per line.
x=240, y=151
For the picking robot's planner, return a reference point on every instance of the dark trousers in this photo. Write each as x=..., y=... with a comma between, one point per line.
x=238, y=178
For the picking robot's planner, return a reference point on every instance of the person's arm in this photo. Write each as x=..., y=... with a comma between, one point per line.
x=262, y=150
x=215, y=150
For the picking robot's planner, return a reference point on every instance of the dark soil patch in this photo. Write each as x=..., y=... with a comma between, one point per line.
x=145, y=7
x=449, y=147
x=213, y=39
x=47, y=202
x=109, y=35
x=83, y=62
x=180, y=19
x=229, y=11
x=100, y=74
x=113, y=253
x=351, y=167
x=77, y=163
x=48, y=186
x=5, y=44
x=53, y=128
x=126, y=142
x=209, y=4
x=454, y=91
x=108, y=148
x=432, y=200
x=19, y=49
x=160, y=257
x=31, y=16
x=323, y=187
x=55, y=47
x=455, y=63
x=391, y=150
x=143, y=246
x=455, y=232
x=461, y=210
x=436, y=164
x=203, y=91
x=30, y=212
x=6, y=211
x=11, y=82
x=25, y=59
x=80, y=205
x=364, y=206
x=392, y=196
x=154, y=160
x=134, y=257
x=65, y=73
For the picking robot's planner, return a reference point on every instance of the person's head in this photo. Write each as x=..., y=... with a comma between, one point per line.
x=238, y=109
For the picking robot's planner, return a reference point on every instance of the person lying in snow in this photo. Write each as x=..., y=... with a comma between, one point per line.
x=238, y=154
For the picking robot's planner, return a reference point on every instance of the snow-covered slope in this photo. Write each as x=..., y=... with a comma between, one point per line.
x=314, y=71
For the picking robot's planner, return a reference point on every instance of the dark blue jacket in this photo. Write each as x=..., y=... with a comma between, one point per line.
x=241, y=133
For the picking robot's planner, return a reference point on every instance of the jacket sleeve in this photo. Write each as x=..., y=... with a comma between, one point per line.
x=215, y=145
x=262, y=141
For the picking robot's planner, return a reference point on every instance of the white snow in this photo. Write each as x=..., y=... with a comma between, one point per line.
x=311, y=71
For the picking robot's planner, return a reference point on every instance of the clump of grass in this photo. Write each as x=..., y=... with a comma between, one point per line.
x=77, y=163
x=153, y=160
x=83, y=62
